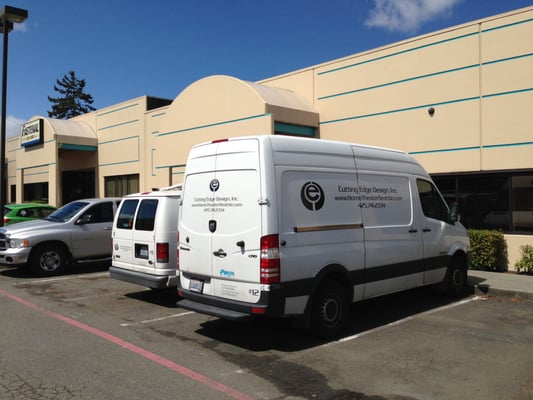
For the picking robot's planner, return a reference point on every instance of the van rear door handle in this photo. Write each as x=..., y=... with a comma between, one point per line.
x=220, y=253
x=426, y=230
x=413, y=230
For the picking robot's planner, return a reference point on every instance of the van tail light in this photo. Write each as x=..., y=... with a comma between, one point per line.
x=270, y=264
x=162, y=252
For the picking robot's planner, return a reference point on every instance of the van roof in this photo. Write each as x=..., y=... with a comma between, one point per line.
x=157, y=193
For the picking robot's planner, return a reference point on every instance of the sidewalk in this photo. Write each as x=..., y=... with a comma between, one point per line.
x=501, y=284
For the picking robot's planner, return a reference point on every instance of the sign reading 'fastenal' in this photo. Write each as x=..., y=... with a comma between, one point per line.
x=32, y=133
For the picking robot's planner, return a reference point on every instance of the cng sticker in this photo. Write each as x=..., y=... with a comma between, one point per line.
x=312, y=196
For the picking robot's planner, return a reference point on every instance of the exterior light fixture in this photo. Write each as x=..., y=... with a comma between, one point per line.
x=8, y=16
x=431, y=111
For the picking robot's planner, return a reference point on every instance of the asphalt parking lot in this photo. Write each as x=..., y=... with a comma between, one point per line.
x=86, y=336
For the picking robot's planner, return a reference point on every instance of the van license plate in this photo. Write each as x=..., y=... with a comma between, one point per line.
x=196, y=285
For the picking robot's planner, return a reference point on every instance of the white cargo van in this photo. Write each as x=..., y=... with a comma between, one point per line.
x=144, y=239
x=284, y=226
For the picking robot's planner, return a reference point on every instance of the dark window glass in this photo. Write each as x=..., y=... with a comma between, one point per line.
x=126, y=214
x=432, y=204
x=502, y=201
x=522, y=203
x=146, y=215
x=98, y=213
x=121, y=185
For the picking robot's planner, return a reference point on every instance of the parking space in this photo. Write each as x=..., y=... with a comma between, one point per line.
x=90, y=335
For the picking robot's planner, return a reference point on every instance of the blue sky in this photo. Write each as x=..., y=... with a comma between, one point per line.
x=130, y=48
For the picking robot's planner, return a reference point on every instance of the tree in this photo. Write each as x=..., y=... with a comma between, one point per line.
x=74, y=101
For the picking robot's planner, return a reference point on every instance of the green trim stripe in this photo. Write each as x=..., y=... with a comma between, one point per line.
x=399, y=81
x=424, y=46
x=507, y=25
x=121, y=124
x=118, y=163
x=512, y=92
x=398, y=110
x=118, y=109
x=398, y=53
x=490, y=146
x=119, y=140
x=215, y=124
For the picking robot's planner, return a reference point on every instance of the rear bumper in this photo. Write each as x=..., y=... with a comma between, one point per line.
x=143, y=279
x=271, y=303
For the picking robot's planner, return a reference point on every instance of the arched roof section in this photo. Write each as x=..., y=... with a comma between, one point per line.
x=68, y=133
x=218, y=99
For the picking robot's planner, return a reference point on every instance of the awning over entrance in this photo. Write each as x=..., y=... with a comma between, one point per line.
x=72, y=135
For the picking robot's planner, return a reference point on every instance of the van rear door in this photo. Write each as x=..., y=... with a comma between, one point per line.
x=220, y=228
x=133, y=236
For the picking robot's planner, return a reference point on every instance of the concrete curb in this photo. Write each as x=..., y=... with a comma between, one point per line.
x=501, y=284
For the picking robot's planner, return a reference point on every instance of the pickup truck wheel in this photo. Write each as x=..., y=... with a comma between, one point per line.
x=330, y=310
x=48, y=260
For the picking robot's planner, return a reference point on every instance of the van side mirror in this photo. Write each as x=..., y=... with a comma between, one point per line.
x=453, y=215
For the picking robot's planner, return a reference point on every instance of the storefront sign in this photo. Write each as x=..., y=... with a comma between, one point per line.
x=32, y=133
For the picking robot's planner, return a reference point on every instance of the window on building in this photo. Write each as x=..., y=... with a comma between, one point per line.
x=281, y=128
x=502, y=201
x=12, y=193
x=121, y=185
x=36, y=192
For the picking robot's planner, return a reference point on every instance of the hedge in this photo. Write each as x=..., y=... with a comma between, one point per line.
x=525, y=264
x=488, y=250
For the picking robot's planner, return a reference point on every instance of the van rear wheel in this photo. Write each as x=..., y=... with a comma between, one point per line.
x=329, y=313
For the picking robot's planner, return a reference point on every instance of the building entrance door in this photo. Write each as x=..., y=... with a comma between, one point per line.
x=78, y=185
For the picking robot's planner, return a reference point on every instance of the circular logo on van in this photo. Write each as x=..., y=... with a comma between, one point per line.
x=312, y=196
x=214, y=185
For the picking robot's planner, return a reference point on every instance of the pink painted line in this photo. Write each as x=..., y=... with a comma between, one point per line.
x=220, y=387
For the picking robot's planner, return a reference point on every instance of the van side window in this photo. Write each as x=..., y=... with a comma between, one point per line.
x=146, y=215
x=126, y=214
x=432, y=203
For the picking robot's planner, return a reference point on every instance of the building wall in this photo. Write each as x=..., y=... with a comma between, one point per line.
x=121, y=140
x=477, y=78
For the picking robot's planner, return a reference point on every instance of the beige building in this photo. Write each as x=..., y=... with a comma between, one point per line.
x=460, y=100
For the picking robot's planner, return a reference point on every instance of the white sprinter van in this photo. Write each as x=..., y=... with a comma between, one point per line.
x=144, y=239
x=285, y=226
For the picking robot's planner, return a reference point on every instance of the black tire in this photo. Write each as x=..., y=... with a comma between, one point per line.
x=48, y=260
x=330, y=310
x=456, y=280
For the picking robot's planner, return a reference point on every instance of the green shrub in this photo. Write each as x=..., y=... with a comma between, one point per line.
x=489, y=250
x=525, y=264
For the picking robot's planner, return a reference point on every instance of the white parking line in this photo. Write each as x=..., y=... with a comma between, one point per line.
x=399, y=322
x=147, y=321
x=63, y=278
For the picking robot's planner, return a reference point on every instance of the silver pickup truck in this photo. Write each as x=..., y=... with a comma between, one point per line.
x=78, y=231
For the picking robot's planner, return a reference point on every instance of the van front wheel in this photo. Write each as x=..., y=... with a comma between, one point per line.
x=456, y=280
x=329, y=313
